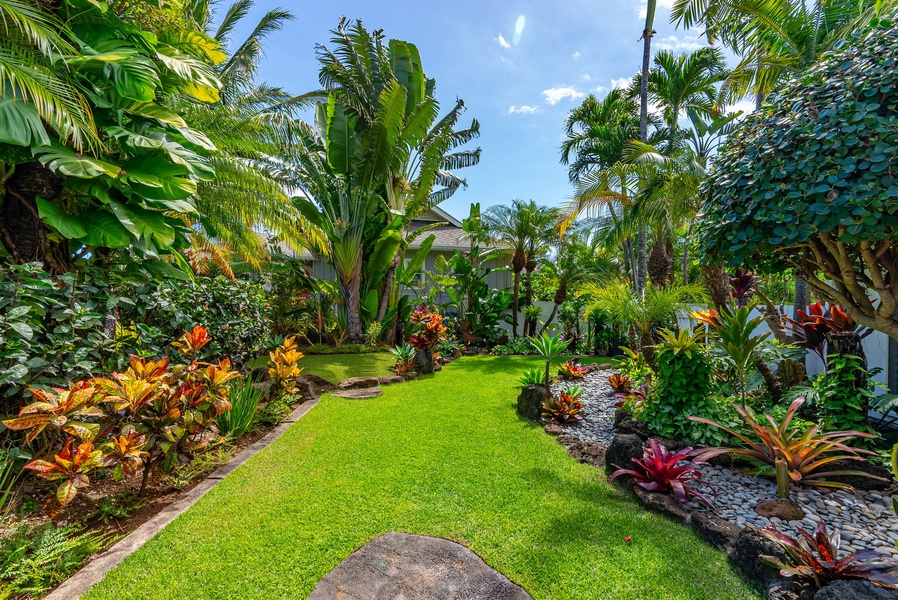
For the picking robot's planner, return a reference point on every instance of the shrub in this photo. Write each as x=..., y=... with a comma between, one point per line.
x=244, y=397
x=450, y=346
x=814, y=559
x=660, y=470
x=153, y=414
x=633, y=365
x=428, y=329
x=683, y=384
x=620, y=384
x=793, y=456
x=282, y=367
x=517, y=346
x=571, y=369
x=236, y=312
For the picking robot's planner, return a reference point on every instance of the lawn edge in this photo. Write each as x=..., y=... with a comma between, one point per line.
x=94, y=572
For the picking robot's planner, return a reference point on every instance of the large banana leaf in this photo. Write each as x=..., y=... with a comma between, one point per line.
x=382, y=139
x=22, y=126
x=407, y=273
x=104, y=229
x=384, y=251
x=407, y=70
x=55, y=216
x=340, y=138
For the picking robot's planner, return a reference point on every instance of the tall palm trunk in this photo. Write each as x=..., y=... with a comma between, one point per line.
x=350, y=287
x=529, y=324
x=515, y=298
x=686, y=254
x=641, y=236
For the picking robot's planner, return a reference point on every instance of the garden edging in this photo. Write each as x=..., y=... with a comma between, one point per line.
x=96, y=570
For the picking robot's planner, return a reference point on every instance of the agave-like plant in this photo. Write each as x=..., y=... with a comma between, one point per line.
x=795, y=456
x=533, y=377
x=564, y=408
x=405, y=358
x=549, y=348
x=660, y=470
x=814, y=559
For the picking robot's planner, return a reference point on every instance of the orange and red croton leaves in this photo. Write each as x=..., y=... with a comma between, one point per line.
x=70, y=468
x=60, y=410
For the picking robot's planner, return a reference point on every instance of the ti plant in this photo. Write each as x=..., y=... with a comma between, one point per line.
x=405, y=359
x=814, y=325
x=282, y=367
x=814, y=559
x=549, y=348
x=620, y=384
x=533, y=377
x=571, y=369
x=795, y=456
x=564, y=408
x=735, y=337
x=660, y=470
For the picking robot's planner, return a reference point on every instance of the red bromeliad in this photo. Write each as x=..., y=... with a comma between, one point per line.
x=814, y=559
x=660, y=470
x=620, y=384
x=571, y=369
x=564, y=408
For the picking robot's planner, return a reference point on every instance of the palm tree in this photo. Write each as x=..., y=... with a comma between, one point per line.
x=630, y=308
x=647, y=33
x=254, y=128
x=541, y=221
x=775, y=38
x=511, y=226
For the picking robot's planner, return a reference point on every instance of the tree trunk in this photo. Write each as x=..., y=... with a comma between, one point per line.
x=717, y=282
x=550, y=319
x=686, y=253
x=350, y=284
x=647, y=347
x=22, y=232
x=515, y=297
x=389, y=280
x=771, y=381
x=642, y=238
x=802, y=295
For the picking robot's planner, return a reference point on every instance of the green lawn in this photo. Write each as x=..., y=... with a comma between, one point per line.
x=337, y=367
x=444, y=456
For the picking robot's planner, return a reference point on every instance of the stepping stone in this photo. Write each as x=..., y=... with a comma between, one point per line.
x=389, y=379
x=358, y=382
x=414, y=567
x=361, y=393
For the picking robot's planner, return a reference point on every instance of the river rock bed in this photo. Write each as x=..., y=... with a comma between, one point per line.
x=865, y=519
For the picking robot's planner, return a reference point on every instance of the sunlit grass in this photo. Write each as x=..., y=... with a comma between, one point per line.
x=445, y=456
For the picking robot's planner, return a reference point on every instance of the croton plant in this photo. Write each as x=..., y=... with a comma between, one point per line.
x=428, y=327
x=154, y=414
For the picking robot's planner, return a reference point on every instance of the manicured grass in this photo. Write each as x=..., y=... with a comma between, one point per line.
x=337, y=367
x=444, y=456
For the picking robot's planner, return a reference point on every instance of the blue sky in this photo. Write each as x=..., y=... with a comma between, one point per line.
x=519, y=86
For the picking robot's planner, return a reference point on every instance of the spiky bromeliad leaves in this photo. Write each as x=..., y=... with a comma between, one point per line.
x=814, y=559
x=660, y=470
x=571, y=369
x=795, y=456
x=405, y=359
x=620, y=384
x=564, y=408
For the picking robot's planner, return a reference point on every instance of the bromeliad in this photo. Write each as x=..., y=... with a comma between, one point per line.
x=660, y=470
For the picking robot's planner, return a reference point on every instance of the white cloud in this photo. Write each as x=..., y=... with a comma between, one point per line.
x=557, y=94
x=586, y=77
x=575, y=55
x=522, y=110
x=599, y=89
x=642, y=10
x=501, y=41
x=676, y=44
x=622, y=83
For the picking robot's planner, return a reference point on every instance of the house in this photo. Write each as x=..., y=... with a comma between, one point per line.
x=449, y=238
